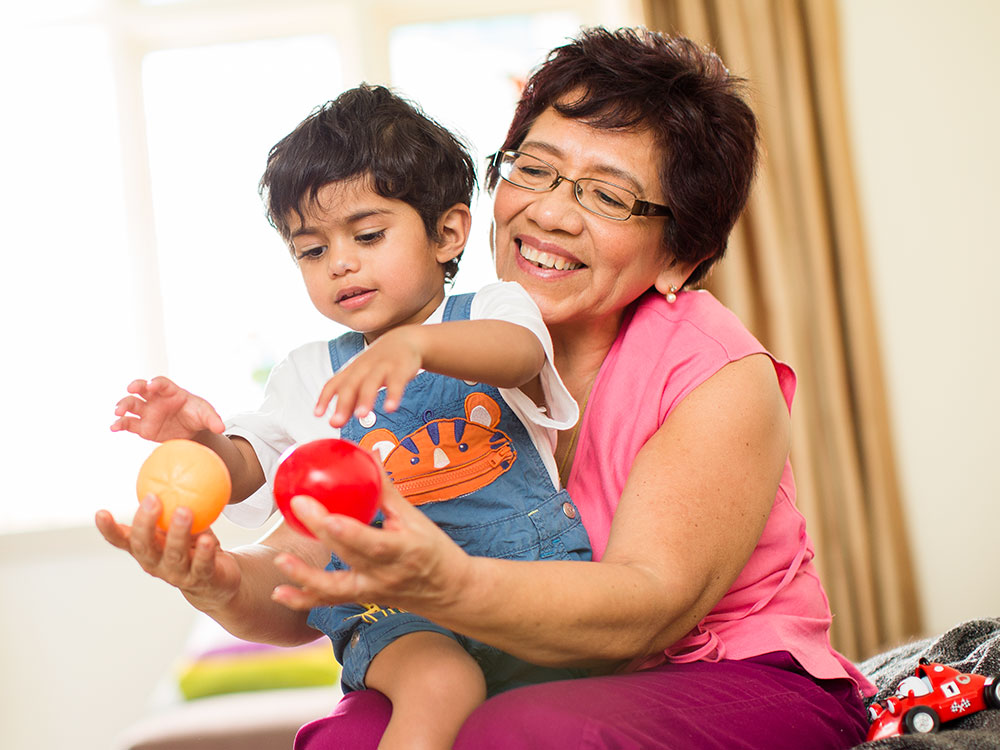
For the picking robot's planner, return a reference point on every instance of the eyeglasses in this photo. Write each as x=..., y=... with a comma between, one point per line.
x=597, y=196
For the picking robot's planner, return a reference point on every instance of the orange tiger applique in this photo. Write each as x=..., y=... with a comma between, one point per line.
x=446, y=458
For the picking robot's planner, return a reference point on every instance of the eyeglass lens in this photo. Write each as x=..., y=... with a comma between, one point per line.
x=597, y=196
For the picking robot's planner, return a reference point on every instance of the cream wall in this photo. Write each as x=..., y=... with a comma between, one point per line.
x=921, y=83
x=84, y=637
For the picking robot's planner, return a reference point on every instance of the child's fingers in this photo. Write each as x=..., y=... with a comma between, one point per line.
x=367, y=394
x=162, y=386
x=132, y=404
x=395, y=387
x=126, y=424
x=347, y=399
x=325, y=395
x=136, y=386
x=211, y=419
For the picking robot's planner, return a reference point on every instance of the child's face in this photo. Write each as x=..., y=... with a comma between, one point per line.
x=367, y=261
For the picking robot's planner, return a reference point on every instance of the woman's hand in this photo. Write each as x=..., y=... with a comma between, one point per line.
x=408, y=563
x=208, y=576
x=391, y=362
x=160, y=410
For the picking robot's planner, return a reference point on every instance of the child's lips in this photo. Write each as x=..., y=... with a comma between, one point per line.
x=353, y=297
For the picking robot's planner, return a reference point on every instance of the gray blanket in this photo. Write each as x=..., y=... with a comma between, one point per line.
x=972, y=647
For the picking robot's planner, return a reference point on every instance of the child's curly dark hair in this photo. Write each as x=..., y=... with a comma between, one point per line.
x=369, y=132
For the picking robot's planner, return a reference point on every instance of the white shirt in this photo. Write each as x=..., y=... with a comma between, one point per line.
x=286, y=416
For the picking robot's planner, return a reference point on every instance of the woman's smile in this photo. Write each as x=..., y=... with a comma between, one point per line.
x=546, y=256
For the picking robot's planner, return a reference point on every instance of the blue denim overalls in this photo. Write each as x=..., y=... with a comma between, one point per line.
x=459, y=453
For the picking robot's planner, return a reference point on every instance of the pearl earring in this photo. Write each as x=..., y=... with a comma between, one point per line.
x=672, y=294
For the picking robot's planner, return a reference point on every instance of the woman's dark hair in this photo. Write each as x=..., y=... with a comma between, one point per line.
x=369, y=132
x=637, y=79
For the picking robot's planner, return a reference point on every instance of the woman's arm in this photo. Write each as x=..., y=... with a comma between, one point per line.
x=693, y=508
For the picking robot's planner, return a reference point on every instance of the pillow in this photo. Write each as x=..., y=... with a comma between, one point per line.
x=218, y=662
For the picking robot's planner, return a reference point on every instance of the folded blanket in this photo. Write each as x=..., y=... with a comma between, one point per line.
x=972, y=647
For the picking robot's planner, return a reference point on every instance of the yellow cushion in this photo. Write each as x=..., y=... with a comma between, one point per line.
x=245, y=666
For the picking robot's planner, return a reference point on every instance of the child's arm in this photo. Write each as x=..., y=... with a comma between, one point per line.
x=160, y=410
x=497, y=352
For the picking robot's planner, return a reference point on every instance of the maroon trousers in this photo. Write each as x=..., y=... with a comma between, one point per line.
x=766, y=702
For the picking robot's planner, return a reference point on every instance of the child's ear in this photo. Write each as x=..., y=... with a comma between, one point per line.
x=453, y=231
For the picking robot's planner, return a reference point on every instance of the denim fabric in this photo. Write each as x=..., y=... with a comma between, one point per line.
x=463, y=457
x=375, y=627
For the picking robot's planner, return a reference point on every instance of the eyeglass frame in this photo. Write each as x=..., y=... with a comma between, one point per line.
x=639, y=207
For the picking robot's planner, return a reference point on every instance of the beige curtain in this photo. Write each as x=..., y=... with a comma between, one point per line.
x=796, y=273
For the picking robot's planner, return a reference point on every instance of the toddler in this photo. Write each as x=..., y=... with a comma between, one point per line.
x=455, y=394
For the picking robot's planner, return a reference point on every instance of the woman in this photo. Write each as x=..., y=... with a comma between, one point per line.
x=679, y=465
x=629, y=159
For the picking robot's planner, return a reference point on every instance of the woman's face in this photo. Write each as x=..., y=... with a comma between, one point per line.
x=581, y=268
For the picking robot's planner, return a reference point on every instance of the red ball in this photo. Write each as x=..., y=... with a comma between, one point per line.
x=343, y=477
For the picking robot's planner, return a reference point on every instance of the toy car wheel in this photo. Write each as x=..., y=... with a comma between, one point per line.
x=991, y=694
x=921, y=720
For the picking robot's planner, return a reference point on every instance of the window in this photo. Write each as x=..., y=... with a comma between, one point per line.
x=486, y=60
x=232, y=298
x=135, y=133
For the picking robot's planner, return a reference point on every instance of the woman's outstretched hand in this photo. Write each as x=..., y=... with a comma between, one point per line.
x=208, y=576
x=407, y=563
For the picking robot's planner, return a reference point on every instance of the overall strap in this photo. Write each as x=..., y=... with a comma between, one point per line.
x=350, y=344
x=458, y=307
x=344, y=347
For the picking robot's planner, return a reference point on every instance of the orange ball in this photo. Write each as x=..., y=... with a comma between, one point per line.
x=183, y=473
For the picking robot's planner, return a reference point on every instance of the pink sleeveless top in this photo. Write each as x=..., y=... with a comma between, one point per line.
x=777, y=603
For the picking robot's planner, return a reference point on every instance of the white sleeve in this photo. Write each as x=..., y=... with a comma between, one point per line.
x=285, y=418
x=507, y=300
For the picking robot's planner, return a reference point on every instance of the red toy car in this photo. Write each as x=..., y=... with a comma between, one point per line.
x=935, y=694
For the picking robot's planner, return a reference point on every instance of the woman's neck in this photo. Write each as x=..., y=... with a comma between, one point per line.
x=580, y=351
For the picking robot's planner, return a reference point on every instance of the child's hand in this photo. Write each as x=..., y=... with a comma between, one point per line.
x=391, y=362
x=160, y=410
